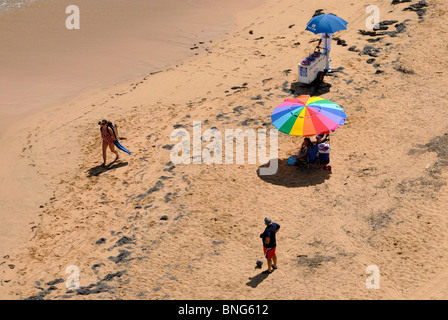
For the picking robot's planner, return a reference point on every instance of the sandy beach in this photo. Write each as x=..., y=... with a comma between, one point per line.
x=145, y=228
x=118, y=41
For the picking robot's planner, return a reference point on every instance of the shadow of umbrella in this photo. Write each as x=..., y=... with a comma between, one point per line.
x=255, y=281
x=291, y=177
x=96, y=171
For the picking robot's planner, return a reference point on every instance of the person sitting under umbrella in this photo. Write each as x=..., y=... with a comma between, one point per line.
x=302, y=154
x=320, y=138
x=324, y=156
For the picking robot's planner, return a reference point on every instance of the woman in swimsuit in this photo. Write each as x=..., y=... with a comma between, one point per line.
x=303, y=152
x=108, y=140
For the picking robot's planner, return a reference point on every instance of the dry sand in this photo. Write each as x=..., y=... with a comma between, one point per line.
x=384, y=204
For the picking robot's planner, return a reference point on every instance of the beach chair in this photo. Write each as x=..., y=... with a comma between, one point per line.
x=312, y=159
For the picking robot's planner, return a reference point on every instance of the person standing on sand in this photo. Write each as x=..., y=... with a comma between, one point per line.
x=326, y=38
x=108, y=140
x=270, y=244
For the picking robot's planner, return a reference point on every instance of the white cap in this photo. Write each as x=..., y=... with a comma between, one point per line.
x=267, y=220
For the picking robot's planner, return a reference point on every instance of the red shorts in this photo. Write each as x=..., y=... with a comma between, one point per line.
x=269, y=253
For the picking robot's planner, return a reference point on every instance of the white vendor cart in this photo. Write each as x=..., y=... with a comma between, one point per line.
x=313, y=67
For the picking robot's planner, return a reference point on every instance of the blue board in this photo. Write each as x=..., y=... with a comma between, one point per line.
x=120, y=146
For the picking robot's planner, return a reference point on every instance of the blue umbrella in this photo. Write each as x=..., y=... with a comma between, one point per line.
x=326, y=23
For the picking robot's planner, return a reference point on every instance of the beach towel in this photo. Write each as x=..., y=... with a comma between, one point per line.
x=324, y=148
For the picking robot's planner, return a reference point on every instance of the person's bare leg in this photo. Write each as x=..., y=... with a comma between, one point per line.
x=112, y=148
x=269, y=265
x=274, y=260
x=104, y=153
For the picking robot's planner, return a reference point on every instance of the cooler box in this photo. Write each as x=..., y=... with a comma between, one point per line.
x=324, y=152
x=310, y=67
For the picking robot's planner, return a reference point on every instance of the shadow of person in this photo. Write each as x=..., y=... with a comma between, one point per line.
x=255, y=281
x=292, y=177
x=97, y=170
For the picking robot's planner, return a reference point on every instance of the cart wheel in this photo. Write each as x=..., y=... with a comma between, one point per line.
x=320, y=76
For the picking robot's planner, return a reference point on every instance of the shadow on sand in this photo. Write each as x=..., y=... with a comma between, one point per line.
x=255, y=281
x=313, y=89
x=316, y=88
x=96, y=171
x=292, y=177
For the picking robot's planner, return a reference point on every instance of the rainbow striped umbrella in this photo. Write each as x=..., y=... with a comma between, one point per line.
x=308, y=116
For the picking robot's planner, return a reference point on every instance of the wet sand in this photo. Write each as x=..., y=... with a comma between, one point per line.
x=46, y=64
